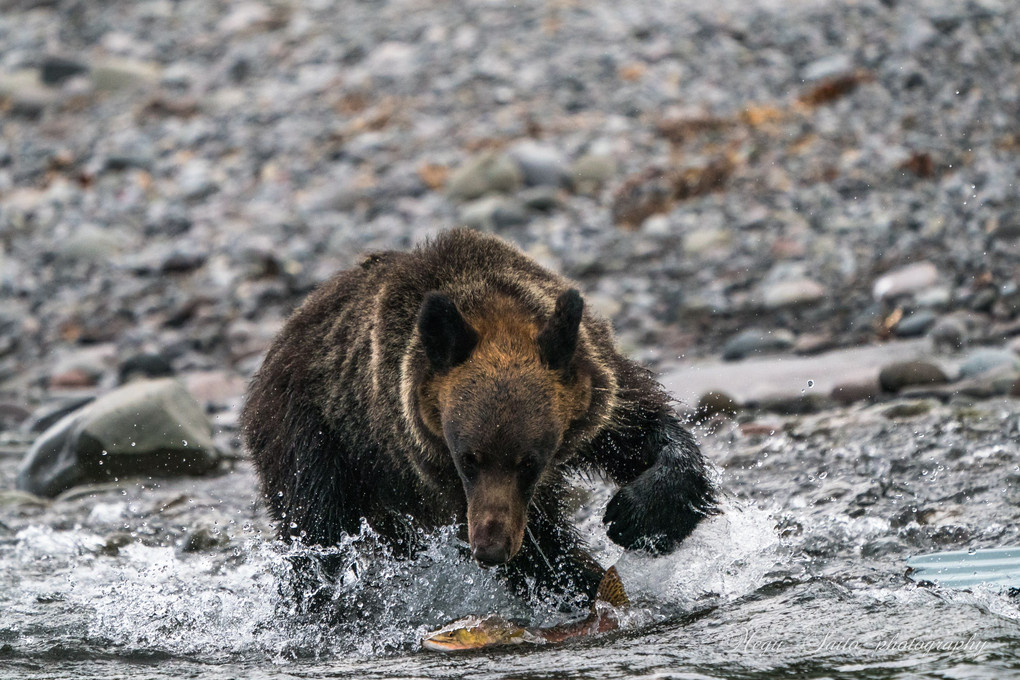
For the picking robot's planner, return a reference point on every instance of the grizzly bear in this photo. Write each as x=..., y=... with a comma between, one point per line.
x=461, y=382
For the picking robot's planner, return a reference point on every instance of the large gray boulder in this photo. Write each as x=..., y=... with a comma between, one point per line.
x=153, y=428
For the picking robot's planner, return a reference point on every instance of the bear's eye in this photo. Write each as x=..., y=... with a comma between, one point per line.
x=470, y=461
x=528, y=465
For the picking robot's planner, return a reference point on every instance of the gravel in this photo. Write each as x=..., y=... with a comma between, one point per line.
x=176, y=177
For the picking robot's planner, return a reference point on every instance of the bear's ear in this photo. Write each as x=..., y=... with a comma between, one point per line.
x=558, y=340
x=448, y=339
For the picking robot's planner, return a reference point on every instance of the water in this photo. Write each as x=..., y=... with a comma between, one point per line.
x=802, y=576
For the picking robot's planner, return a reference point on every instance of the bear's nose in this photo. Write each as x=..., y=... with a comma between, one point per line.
x=491, y=554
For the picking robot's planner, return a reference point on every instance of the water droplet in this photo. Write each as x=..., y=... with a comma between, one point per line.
x=184, y=441
x=810, y=383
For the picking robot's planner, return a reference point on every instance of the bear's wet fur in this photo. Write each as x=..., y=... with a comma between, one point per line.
x=462, y=382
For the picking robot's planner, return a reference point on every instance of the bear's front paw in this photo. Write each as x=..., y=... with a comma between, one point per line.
x=638, y=519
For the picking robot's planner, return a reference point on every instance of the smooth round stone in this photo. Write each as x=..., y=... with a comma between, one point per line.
x=756, y=341
x=937, y=297
x=148, y=427
x=984, y=360
x=89, y=244
x=120, y=74
x=703, y=240
x=490, y=172
x=541, y=164
x=905, y=280
x=903, y=374
x=791, y=293
x=491, y=212
x=540, y=198
x=591, y=171
x=915, y=325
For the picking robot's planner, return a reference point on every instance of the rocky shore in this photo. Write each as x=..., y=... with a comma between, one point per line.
x=783, y=207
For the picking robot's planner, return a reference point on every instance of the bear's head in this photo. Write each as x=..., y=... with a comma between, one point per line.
x=504, y=387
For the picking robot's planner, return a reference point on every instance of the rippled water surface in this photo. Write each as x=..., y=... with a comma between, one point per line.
x=802, y=576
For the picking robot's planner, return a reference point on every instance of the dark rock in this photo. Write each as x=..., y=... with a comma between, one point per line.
x=793, y=404
x=983, y=300
x=150, y=428
x=144, y=366
x=1008, y=227
x=915, y=325
x=183, y=260
x=11, y=324
x=541, y=198
x=118, y=162
x=900, y=375
x=715, y=403
x=848, y=393
x=754, y=341
x=55, y=70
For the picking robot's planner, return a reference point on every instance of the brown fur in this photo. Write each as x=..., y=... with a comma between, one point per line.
x=348, y=418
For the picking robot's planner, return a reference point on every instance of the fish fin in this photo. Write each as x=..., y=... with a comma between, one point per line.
x=611, y=589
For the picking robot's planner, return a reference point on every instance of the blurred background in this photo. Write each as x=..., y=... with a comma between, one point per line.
x=802, y=215
x=790, y=176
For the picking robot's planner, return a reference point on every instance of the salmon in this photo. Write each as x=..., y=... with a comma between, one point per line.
x=473, y=632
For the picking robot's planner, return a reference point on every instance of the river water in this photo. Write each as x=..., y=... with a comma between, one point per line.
x=803, y=575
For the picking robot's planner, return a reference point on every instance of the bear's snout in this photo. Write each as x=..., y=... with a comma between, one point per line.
x=496, y=516
x=490, y=543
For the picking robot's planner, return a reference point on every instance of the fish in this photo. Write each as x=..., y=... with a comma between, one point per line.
x=474, y=632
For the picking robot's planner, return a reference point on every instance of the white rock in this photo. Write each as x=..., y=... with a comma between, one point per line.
x=905, y=280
